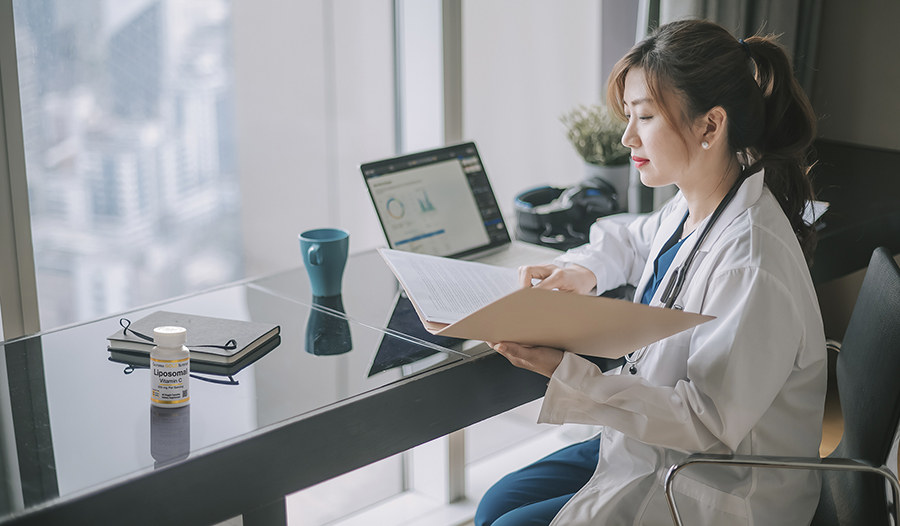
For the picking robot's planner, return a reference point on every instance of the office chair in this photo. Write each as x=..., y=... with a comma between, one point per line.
x=867, y=371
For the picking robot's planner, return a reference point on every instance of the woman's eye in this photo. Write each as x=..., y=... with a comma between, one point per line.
x=645, y=118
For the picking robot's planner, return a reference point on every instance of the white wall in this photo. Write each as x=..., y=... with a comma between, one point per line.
x=314, y=86
x=525, y=63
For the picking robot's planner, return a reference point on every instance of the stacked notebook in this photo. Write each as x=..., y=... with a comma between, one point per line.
x=214, y=341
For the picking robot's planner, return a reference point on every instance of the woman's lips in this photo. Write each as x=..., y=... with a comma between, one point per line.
x=639, y=161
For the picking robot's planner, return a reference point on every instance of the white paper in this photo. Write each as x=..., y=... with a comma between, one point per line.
x=813, y=211
x=446, y=290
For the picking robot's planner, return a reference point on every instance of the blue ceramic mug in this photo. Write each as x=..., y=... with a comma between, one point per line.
x=325, y=255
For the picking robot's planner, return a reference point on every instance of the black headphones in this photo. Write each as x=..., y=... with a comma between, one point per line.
x=562, y=217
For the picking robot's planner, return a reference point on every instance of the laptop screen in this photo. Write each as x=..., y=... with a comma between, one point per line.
x=436, y=202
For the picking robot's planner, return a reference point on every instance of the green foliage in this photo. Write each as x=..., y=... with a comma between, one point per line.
x=596, y=134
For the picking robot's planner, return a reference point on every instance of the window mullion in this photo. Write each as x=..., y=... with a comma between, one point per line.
x=18, y=286
x=451, y=36
x=451, y=26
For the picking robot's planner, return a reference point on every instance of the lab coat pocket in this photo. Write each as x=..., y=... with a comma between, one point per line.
x=705, y=504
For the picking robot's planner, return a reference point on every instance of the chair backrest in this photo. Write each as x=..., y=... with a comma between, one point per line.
x=868, y=379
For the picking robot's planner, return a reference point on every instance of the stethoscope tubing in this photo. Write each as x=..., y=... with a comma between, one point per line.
x=676, y=280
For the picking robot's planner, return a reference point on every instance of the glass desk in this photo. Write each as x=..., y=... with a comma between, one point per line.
x=81, y=444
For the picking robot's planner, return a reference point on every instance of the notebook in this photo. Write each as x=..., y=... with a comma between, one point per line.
x=440, y=202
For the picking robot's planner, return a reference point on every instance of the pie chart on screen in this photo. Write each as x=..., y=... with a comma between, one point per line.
x=395, y=208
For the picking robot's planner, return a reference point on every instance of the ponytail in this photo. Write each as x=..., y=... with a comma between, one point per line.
x=784, y=148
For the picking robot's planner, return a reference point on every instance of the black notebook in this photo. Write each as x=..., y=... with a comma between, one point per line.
x=141, y=360
x=211, y=340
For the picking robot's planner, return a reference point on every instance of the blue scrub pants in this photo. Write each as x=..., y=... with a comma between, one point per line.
x=533, y=495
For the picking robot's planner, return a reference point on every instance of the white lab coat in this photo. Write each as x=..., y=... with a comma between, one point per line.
x=752, y=381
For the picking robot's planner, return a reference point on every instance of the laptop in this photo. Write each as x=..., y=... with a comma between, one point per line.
x=440, y=202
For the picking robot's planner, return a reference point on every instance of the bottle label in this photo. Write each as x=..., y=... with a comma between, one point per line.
x=169, y=381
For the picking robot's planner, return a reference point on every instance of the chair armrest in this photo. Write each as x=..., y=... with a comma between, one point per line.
x=761, y=461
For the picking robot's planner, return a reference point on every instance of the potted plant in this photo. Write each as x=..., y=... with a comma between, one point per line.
x=597, y=136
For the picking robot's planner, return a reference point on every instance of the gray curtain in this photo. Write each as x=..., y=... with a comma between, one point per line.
x=796, y=21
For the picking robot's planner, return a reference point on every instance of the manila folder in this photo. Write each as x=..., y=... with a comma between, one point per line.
x=589, y=325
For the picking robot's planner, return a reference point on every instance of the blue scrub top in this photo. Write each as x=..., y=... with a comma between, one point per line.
x=664, y=261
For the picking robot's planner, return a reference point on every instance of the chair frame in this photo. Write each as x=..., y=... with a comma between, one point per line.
x=819, y=464
x=881, y=256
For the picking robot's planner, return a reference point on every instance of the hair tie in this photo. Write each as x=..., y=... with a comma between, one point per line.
x=746, y=46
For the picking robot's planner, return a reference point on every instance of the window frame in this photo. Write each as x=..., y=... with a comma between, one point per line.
x=18, y=283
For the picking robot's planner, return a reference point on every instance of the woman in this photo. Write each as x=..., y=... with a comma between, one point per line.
x=709, y=114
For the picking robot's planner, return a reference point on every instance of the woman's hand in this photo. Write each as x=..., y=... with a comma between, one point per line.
x=573, y=278
x=542, y=360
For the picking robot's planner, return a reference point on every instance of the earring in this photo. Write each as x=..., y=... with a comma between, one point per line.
x=705, y=145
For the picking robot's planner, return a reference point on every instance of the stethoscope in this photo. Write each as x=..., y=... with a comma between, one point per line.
x=676, y=280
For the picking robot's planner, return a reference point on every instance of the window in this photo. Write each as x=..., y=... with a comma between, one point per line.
x=127, y=113
x=172, y=146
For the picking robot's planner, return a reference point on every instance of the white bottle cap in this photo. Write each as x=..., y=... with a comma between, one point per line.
x=169, y=336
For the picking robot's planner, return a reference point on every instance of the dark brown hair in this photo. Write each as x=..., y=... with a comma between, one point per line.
x=696, y=65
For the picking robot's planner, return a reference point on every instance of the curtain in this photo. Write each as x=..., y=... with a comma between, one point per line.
x=795, y=21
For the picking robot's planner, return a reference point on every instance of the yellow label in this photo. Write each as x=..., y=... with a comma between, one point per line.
x=169, y=381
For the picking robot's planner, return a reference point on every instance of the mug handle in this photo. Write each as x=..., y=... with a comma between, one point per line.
x=315, y=258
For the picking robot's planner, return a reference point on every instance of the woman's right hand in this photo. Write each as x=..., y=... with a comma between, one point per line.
x=573, y=278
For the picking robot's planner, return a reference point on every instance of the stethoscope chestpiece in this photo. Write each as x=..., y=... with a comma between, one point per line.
x=670, y=286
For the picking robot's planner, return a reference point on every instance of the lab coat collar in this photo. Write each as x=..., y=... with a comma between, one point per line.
x=748, y=194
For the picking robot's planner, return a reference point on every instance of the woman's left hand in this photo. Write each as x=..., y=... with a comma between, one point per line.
x=542, y=360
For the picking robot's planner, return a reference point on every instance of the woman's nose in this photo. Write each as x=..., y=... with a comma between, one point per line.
x=630, y=139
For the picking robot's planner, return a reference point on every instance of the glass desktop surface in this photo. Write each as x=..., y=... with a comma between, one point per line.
x=97, y=426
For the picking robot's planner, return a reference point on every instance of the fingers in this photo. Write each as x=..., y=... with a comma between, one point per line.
x=573, y=278
x=542, y=360
x=532, y=272
x=508, y=350
x=558, y=279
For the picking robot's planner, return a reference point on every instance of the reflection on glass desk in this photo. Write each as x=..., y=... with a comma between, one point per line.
x=78, y=424
x=395, y=352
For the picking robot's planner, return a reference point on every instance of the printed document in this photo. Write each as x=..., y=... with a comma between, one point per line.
x=474, y=301
x=446, y=290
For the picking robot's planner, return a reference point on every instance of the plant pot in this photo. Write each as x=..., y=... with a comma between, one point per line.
x=618, y=176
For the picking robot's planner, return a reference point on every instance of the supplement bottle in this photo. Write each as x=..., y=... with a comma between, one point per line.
x=169, y=368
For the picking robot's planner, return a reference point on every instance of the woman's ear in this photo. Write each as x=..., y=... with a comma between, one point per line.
x=713, y=127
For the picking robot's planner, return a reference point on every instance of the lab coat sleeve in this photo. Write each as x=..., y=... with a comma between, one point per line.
x=617, y=250
x=736, y=367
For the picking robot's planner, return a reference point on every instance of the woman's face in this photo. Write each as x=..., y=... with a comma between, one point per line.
x=657, y=149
